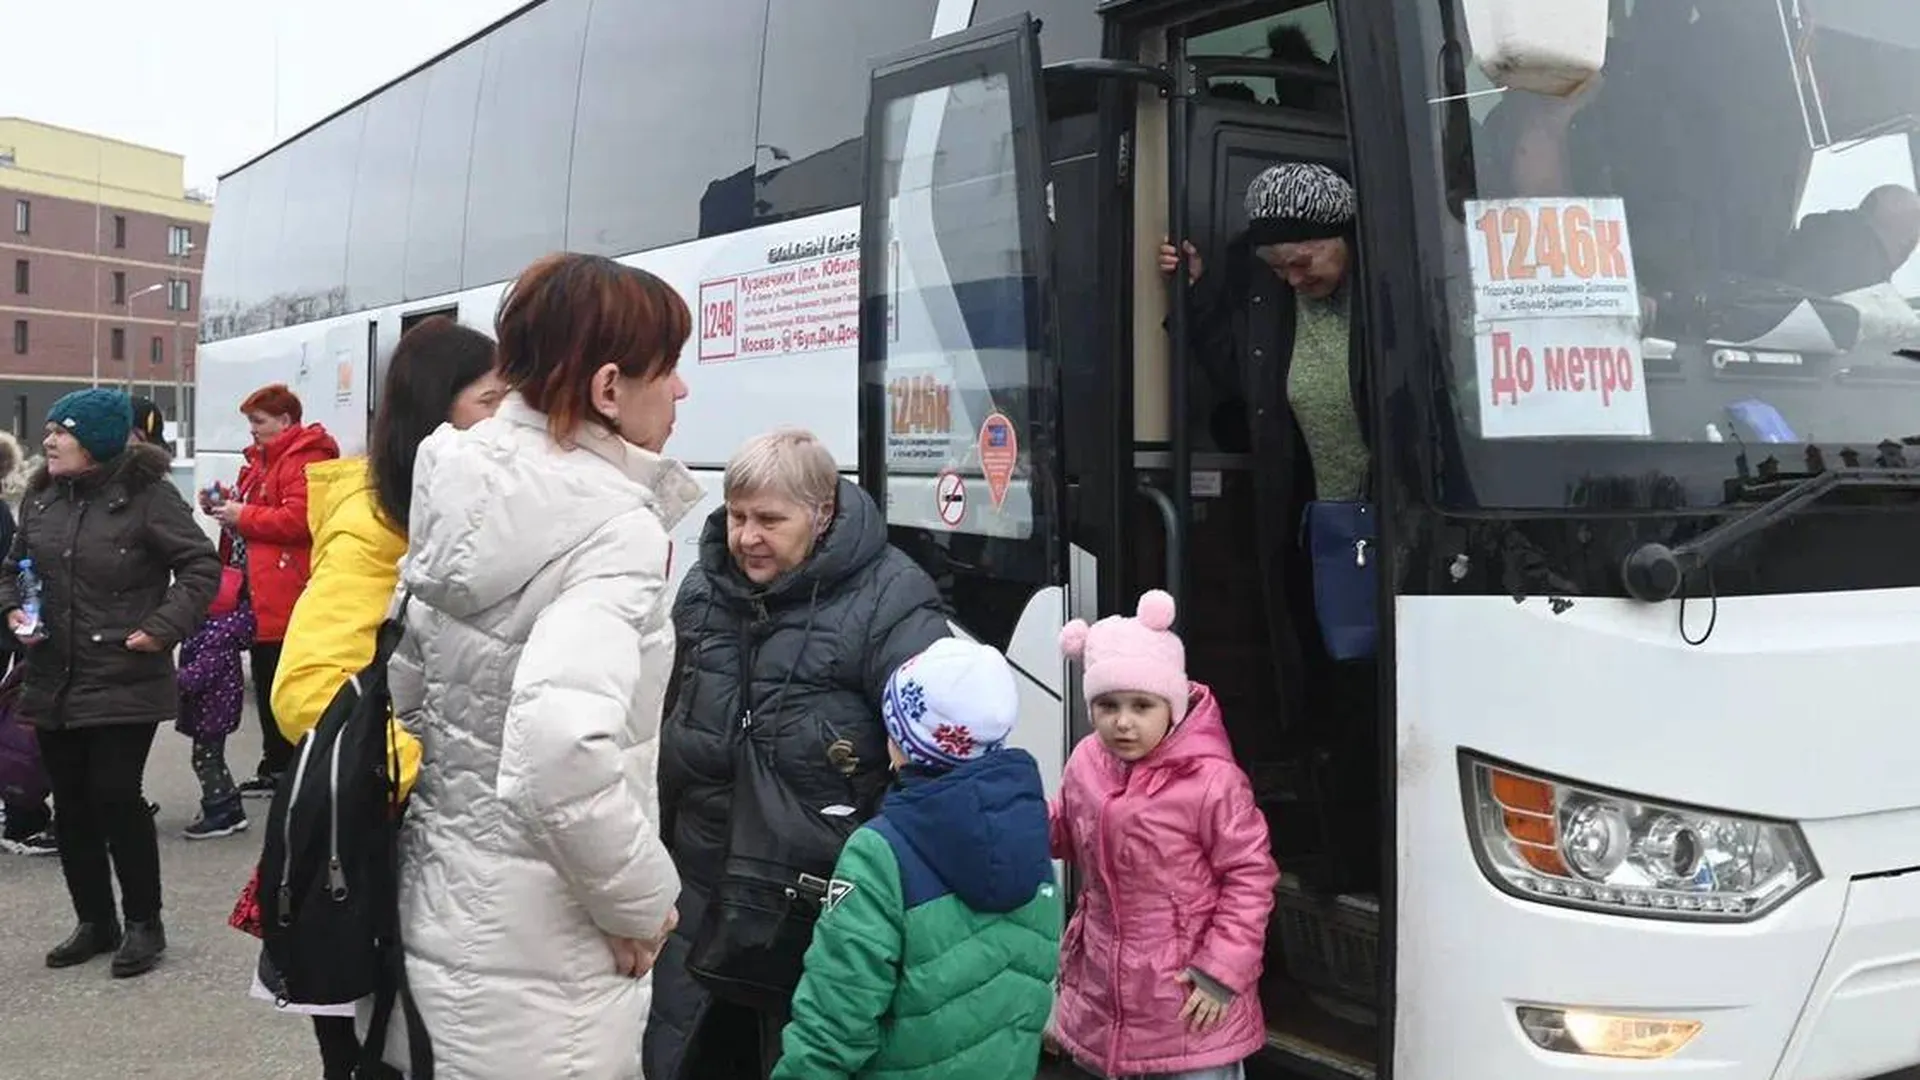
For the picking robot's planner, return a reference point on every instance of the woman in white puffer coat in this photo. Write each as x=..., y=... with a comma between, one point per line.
x=534, y=888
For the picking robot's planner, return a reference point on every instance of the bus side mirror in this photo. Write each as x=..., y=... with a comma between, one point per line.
x=1540, y=46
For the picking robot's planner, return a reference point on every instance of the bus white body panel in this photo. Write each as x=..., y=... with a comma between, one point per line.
x=1746, y=722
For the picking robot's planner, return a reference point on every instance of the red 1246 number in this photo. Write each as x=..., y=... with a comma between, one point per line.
x=1521, y=243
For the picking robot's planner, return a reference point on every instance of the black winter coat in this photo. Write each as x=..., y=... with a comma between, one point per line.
x=1241, y=330
x=809, y=655
x=116, y=550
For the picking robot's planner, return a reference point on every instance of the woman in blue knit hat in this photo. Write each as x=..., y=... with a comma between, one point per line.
x=124, y=575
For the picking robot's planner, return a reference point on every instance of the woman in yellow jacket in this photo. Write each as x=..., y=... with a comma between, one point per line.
x=440, y=372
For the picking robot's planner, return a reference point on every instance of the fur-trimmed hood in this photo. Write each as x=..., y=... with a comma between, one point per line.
x=135, y=470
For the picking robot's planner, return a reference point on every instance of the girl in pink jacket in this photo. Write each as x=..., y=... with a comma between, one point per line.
x=1160, y=967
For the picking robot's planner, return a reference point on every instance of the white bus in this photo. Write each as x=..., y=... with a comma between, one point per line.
x=1628, y=789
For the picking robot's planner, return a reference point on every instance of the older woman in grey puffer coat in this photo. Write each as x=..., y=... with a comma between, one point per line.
x=789, y=626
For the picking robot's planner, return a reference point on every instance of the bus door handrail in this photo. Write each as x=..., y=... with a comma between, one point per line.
x=1207, y=68
x=1179, y=124
x=1126, y=70
x=1170, y=518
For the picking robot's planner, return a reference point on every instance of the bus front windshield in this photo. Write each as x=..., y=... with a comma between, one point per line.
x=1701, y=264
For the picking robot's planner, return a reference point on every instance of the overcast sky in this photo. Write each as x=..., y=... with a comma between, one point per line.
x=198, y=77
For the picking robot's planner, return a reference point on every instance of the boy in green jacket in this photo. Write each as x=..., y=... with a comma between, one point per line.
x=936, y=955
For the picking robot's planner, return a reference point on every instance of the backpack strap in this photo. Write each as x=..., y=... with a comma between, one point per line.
x=373, y=1050
x=393, y=982
x=419, y=1044
x=394, y=990
x=394, y=627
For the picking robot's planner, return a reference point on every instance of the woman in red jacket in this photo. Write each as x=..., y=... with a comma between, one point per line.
x=264, y=532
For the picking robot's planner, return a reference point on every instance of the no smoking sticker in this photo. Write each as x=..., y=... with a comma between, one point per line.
x=951, y=494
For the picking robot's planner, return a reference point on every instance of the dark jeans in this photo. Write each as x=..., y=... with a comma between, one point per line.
x=340, y=1049
x=276, y=753
x=101, y=819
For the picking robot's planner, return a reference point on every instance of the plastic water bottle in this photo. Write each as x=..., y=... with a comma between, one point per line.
x=29, y=600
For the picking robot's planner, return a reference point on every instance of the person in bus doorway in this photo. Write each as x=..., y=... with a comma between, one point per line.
x=359, y=510
x=792, y=620
x=264, y=532
x=535, y=889
x=125, y=576
x=1275, y=327
x=1274, y=330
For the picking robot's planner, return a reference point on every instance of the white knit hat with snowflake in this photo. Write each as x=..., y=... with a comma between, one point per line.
x=953, y=703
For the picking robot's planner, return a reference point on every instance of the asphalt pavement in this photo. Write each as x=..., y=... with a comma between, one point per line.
x=189, y=1019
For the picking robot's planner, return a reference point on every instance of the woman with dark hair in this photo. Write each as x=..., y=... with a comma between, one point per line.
x=150, y=424
x=264, y=533
x=125, y=576
x=534, y=887
x=440, y=373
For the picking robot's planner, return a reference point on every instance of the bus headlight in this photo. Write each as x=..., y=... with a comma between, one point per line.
x=1586, y=848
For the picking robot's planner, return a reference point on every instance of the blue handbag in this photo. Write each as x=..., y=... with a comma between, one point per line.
x=1342, y=541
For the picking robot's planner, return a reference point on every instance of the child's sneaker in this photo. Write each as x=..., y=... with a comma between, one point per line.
x=214, y=826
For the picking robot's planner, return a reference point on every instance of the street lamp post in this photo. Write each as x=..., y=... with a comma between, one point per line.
x=183, y=431
x=129, y=349
x=93, y=324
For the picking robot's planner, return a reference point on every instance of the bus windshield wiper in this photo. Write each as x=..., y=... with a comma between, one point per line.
x=1654, y=572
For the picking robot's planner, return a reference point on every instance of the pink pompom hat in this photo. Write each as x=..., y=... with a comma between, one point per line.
x=1140, y=654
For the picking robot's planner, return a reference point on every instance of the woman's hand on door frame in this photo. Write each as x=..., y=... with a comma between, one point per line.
x=1170, y=258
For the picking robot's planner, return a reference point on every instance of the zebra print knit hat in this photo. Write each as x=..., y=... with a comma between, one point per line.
x=1298, y=201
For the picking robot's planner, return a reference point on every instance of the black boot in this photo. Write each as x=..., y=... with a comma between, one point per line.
x=145, y=943
x=88, y=940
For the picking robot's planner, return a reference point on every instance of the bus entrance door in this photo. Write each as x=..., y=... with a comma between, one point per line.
x=960, y=405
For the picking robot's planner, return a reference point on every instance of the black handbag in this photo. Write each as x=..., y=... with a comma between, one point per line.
x=759, y=917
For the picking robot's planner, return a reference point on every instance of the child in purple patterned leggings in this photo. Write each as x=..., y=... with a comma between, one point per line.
x=212, y=696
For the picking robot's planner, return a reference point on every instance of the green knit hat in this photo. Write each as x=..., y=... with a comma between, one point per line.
x=100, y=419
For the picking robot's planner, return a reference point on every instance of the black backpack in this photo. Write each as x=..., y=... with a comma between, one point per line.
x=329, y=868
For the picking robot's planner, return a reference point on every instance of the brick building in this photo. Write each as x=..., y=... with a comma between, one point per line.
x=101, y=247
